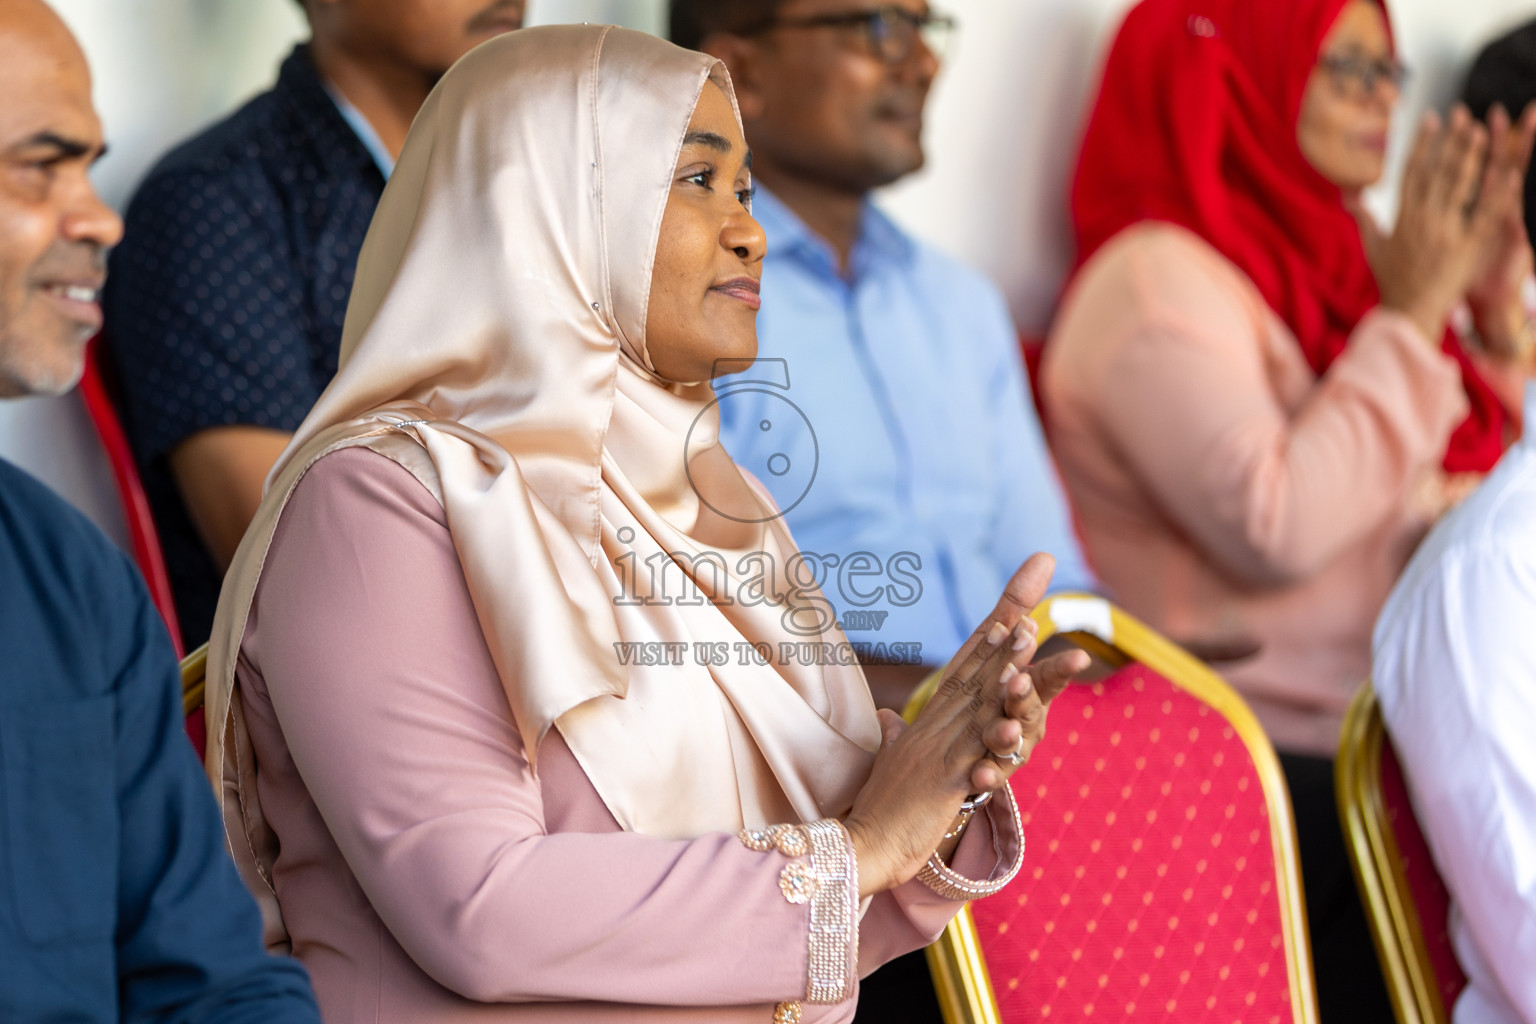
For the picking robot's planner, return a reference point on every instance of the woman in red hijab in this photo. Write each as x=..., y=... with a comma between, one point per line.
x=1255, y=400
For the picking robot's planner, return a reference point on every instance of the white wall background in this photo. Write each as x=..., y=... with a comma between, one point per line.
x=1002, y=135
x=163, y=69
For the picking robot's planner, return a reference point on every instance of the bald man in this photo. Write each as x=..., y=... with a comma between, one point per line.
x=117, y=900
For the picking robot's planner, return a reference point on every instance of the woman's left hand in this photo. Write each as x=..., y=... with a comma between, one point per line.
x=1021, y=725
x=981, y=723
x=1497, y=291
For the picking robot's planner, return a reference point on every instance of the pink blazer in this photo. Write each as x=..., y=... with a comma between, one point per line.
x=1239, y=503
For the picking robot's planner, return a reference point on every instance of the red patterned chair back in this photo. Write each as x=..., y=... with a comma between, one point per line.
x=1160, y=879
x=1406, y=900
x=142, y=535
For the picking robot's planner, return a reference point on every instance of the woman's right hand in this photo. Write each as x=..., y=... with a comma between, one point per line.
x=1453, y=202
x=991, y=701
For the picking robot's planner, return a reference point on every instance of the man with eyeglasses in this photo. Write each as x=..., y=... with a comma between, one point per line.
x=932, y=482
x=929, y=477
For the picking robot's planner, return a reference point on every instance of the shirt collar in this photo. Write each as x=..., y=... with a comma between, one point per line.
x=880, y=241
x=312, y=108
x=363, y=129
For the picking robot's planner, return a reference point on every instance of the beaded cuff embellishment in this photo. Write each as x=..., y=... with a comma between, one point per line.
x=823, y=874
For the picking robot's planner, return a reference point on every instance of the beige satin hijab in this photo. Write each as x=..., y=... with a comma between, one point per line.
x=495, y=347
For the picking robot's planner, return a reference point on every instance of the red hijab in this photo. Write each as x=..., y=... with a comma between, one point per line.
x=1195, y=124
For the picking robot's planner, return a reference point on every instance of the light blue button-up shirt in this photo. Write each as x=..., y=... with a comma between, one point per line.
x=904, y=449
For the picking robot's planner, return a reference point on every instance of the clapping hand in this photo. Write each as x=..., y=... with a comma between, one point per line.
x=1456, y=202
x=981, y=724
x=1496, y=292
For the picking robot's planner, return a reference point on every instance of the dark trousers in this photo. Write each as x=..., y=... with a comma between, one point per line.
x=901, y=992
x=1349, y=983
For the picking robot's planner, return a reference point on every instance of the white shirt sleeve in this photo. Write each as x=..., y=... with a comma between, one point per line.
x=1455, y=670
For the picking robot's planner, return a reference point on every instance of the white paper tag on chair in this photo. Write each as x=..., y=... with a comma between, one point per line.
x=1084, y=615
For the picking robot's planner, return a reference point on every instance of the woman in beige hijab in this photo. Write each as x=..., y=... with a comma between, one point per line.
x=516, y=672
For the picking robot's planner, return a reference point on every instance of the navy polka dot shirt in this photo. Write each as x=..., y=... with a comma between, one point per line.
x=225, y=300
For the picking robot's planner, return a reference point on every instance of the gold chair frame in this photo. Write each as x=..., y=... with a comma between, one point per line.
x=1378, y=866
x=194, y=671
x=956, y=960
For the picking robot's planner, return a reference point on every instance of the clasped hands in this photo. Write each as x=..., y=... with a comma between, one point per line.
x=990, y=706
x=1460, y=230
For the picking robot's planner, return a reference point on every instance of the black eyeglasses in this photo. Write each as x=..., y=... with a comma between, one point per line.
x=1357, y=77
x=891, y=31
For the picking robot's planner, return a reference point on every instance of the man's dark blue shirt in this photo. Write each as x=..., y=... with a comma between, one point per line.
x=117, y=898
x=225, y=300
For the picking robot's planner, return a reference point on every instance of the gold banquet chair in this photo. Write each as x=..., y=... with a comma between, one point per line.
x=194, y=671
x=1405, y=899
x=1160, y=873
